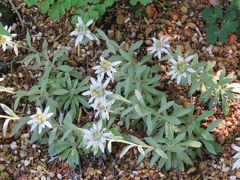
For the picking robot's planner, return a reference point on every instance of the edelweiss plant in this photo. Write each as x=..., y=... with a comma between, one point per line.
x=83, y=33
x=181, y=69
x=7, y=42
x=40, y=119
x=159, y=46
x=96, y=137
x=106, y=67
x=173, y=134
x=98, y=92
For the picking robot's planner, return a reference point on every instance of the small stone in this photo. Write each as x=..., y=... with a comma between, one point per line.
x=238, y=74
x=179, y=23
x=150, y=11
x=184, y=18
x=59, y=176
x=120, y=19
x=226, y=169
x=148, y=30
x=192, y=25
x=232, y=39
x=26, y=162
x=233, y=177
x=163, y=69
x=191, y=170
x=51, y=174
x=13, y=145
x=238, y=174
x=184, y=9
x=135, y=173
x=188, y=33
x=110, y=33
x=43, y=178
x=120, y=123
x=148, y=42
x=22, y=154
x=118, y=35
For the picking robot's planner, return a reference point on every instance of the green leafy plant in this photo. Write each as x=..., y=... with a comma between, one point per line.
x=87, y=9
x=58, y=80
x=216, y=90
x=219, y=23
x=171, y=136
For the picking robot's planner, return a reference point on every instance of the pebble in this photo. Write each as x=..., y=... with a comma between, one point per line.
x=43, y=178
x=192, y=25
x=191, y=170
x=59, y=176
x=150, y=11
x=22, y=154
x=13, y=145
x=225, y=169
x=163, y=69
x=184, y=9
x=118, y=35
x=184, y=18
x=120, y=19
x=51, y=174
x=238, y=174
x=135, y=173
x=179, y=23
x=238, y=75
x=26, y=162
x=233, y=177
x=148, y=30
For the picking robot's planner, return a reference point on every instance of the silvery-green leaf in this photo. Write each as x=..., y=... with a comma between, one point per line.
x=8, y=110
x=140, y=149
x=5, y=126
x=109, y=146
x=125, y=150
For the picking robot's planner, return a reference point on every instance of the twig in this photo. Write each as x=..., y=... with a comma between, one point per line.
x=18, y=14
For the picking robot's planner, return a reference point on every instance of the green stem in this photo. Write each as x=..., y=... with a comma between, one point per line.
x=33, y=50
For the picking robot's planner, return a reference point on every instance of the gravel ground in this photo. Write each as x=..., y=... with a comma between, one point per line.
x=178, y=19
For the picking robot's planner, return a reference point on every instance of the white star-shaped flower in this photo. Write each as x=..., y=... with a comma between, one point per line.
x=103, y=109
x=106, y=67
x=97, y=91
x=40, y=119
x=6, y=41
x=96, y=137
x=181, y=68
x=83, y=33
x=159, y=46
x=236, y=164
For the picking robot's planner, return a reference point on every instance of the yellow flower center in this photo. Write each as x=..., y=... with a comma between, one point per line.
x=40, y=118
x=3, y=38
x=158, y=44
x=105, y=65
x=81, y=28
x=100, y=106
x=181, y=66
x=97, y=135
x=97, y=92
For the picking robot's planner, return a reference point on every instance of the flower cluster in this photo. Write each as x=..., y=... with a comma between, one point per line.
x=99, y=95
x=6, y=41
x=180, y=67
